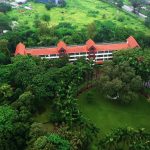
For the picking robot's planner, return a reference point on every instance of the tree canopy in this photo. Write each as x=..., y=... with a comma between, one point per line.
x=119, y=82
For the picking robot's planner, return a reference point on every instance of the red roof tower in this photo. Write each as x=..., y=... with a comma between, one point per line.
x=132, y=42
x=20, y=49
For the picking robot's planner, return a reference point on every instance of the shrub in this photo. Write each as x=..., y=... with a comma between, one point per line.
x=60, y=143
x=46, y=18
x=130, y=138
x=147, y=20
x=51, y=141
x=4, y=7
x=62, y=3
x=49, y=5
x=93, y=13
x=121, y=18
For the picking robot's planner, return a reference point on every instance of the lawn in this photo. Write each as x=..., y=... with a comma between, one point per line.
x=108, y=115
x=79, y=13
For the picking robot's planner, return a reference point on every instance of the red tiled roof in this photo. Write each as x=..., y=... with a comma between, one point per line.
x=132, y=42
x=42, y=51
x=61, y=44
x=77, y=49
x=112, y=47
x=20, y=49
x=90, y=43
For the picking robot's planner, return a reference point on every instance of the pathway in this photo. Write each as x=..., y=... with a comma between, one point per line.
x=130, y=9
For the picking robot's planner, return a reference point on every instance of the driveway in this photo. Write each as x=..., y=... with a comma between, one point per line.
x=130, y=9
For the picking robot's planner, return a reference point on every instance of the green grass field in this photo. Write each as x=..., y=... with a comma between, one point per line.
x=79, y=13
x=108, y=115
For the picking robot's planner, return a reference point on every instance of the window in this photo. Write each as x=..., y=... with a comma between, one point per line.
x=99, y=59
x=52, y=55
x=72, y=56
x=105, y=55
x=42, y=55
x=71, y=53
x=101, y=52
x=82, y=53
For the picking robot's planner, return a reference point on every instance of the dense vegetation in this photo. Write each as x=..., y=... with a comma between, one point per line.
x=74, y=24
x=28, y=83
x=39, y=97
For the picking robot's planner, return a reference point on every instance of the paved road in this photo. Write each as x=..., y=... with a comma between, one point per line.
x=130, y=9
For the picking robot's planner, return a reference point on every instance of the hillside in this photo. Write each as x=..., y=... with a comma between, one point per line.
x=79, y=13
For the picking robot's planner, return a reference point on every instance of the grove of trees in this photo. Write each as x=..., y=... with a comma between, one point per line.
x=27, y=83
x=119, y=82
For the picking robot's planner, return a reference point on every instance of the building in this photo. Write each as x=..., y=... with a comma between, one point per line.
x=91, y=50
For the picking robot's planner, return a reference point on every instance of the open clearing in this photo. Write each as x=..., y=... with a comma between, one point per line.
x=79, y=13
x=108, y=115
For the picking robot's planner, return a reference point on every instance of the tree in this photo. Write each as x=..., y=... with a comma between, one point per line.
x=139, y=59
x=46, y=18
x=119, y=82
x=126, y=138
x=51, y=141
x=3, y=58
x=147, y=20
x=7, y=128
x=5, y=92
x=62, y=3
x=4, y=7
x=4, y=23
x=91, y=30
x=50, y=5
x=4, y=52
x=137, y=5
x=12, y=131
x=25, y=101
x=119, y=3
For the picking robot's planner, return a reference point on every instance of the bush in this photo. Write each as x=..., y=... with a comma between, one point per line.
x=147, y=20
x=51, y=141
x=128, y=138
x=62, y=3
x=121, y=18
x=46, y=18
x=93, y=13
x=4, y=7
x=49, y=5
